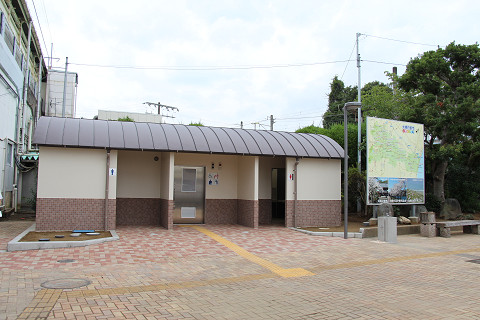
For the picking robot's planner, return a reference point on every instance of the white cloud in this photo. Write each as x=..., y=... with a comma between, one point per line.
x=233, y=33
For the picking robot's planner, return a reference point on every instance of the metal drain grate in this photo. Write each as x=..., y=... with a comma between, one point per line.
x=71, y=283
x=477, y=261
x=66, y=260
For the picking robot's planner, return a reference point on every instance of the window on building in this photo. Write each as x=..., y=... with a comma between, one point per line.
x=9, y=38
x=19, y=56
x=9, y=159
x=1, y=22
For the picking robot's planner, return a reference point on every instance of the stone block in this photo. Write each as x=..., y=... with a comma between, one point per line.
x=373, y=222
x=451, y=209
x=444, y=232
x=414, y=220
x=385, y=210
x=387, y=229
x=427, y=217
x=428, y=230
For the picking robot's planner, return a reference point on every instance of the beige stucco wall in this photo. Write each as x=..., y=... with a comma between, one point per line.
x=318, y=179
x=166, y=175
x=248, y=178
x=266, y=164
x=227, y=172
x=138, y=174
x=71, y=173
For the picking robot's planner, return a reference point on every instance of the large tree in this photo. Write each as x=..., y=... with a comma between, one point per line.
x=339, y=94
x=446, y=83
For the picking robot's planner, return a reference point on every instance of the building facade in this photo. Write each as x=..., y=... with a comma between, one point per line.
x=22, y=78
x=96, y=174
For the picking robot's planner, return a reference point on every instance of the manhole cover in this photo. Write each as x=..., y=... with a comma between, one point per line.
x=66, y=283
x=474, y=261
x=66, y=260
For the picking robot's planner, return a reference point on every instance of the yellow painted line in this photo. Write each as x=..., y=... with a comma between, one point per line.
x=286, y=273
x=166, y=286
x=41, y=305
x=392, y=259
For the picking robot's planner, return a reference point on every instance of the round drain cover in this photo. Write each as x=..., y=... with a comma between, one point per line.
x=66, y=283
x=75, y=234
x=92, y=233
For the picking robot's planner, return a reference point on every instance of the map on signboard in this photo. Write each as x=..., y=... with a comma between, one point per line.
x=395, y=161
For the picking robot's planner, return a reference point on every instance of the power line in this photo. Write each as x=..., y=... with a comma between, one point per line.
x=207, y=68
x=349, y=59
x=404, y=41
x=40, y=27
x=48, y=23
x=383, y=62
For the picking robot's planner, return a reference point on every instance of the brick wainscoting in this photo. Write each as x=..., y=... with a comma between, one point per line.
x=221, y=211
x=57, y=214
x=321, y=213
x=265, y=211
x=138, y=212
x=166, y=213
x=247, y=213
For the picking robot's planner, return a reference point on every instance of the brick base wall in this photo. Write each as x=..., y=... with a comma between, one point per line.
x=247, y=213
x=264, y=211
x=321, y=213
x=166, y=213
x=221, y=211
x=53, y=214
x=138, y=212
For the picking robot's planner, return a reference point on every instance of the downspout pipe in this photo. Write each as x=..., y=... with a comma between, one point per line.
x=107, y=185
x=295, y=191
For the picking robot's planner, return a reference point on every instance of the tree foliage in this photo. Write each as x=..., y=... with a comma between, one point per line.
x=126, y=119
x=446, y=84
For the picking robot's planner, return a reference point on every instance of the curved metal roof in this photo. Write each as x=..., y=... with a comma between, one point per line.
x=86, y=133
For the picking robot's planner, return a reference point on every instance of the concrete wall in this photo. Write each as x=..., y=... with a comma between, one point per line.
x=54, y=94
x=319, y=193
x=166, y=175
x=139, y=175
x=319, y=179
x=71, y=189
x=71, y=173
x=227, y=172
x=248, y=178
x=135, y=116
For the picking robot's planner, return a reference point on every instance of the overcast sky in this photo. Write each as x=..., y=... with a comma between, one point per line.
x=198, y=55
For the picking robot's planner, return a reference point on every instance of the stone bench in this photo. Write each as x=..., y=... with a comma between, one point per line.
x=469, y=226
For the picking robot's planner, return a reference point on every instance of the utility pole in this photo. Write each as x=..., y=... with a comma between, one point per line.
x=241, y=124
x=64, y=88
x=359, y=140
x=255, y=124
x=271, y=122
x=162, y=106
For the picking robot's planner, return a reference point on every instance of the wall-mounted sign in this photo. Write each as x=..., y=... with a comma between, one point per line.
x=213, y=179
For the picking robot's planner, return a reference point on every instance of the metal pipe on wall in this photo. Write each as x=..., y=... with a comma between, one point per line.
x=107, y=184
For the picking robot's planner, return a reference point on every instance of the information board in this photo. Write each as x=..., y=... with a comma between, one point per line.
x=395, y=162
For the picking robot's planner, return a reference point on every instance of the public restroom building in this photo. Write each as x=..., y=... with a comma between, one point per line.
x=97, y=174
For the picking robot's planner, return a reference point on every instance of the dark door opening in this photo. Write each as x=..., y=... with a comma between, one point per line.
x=278, y=194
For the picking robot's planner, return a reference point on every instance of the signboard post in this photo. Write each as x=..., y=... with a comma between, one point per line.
x=395, y=162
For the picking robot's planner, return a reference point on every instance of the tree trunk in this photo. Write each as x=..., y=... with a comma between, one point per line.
x=439, y=180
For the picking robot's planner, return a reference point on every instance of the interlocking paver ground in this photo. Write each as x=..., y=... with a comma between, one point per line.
x=153, y=273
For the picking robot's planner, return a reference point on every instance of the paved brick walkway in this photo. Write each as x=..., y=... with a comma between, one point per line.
x=228, y=272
